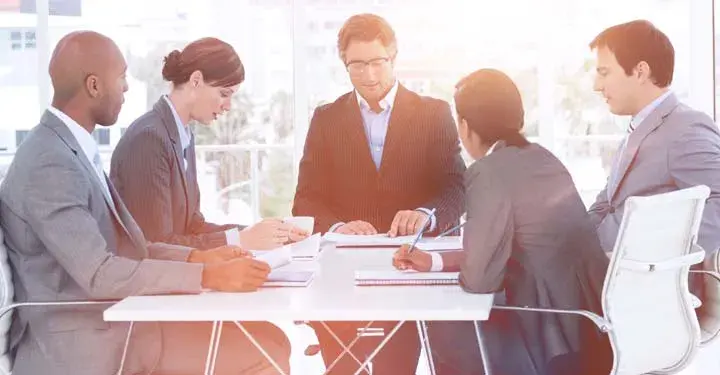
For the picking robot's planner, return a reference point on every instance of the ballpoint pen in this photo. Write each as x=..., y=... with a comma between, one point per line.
x=422, y=230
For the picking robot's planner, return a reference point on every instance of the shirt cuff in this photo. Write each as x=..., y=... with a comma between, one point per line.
x=437, y=262
x=336, y=226
x=433, y=221
x=232, y=237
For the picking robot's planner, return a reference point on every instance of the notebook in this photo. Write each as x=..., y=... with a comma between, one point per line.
x=374, y=240
x=292, y=278
x=395, y=277
x=307, y=249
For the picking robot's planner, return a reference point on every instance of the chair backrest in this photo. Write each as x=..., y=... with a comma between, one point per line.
x=646, y=299
x=6, y=298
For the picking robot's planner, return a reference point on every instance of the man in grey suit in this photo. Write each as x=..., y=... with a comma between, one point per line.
x=670, y=146
x=70, y=238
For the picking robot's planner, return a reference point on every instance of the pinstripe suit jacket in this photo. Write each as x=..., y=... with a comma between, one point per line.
x=66, y=241
x=421, y=165
x=148, y=171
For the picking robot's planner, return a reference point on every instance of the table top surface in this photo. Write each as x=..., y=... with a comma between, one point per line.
x=332, y=296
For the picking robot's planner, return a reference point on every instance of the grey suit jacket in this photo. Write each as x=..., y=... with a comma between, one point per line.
x=528, y=234
x=676, y=147
x=148, y=171
x=66, y=242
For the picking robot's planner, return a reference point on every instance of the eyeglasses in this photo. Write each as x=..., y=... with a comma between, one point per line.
x=358, y=67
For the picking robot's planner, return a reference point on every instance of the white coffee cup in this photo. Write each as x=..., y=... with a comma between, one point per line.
x=306, y=223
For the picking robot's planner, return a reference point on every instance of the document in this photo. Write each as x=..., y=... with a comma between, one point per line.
x=292, y=278
x=274, y=258
x=440, y=244
x=375, y=240
x=307, y=249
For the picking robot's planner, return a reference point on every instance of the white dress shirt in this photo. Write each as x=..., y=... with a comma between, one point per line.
x=87, y=144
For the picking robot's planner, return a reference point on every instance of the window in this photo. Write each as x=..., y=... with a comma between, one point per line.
x=102, y=136
x=439, y=42
x=20, y=40
x=20, y=136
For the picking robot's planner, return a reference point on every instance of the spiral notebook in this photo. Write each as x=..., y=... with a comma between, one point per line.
x=394, y=277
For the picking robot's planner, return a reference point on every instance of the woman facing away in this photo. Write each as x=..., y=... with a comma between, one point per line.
x=527, y=239
x=154, y=167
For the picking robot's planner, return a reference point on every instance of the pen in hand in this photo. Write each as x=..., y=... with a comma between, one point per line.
x=421, y=230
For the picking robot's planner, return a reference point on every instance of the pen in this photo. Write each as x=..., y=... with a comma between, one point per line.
x=445, y=233
x=422, y=230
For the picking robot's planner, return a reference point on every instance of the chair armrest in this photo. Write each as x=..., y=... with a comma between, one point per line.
x=5, y=309
x=695, y=257
x=602, y=323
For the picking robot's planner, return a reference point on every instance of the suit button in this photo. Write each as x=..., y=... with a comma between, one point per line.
x=612, y=210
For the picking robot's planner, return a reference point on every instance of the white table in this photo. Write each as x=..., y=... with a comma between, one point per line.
x=332, y=296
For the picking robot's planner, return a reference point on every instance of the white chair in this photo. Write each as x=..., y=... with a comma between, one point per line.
x=7, y=306
x=710, y=313
x=647, y=307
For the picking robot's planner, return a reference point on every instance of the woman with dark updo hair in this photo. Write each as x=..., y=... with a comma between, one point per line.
x=527, y=239
x=153, y=166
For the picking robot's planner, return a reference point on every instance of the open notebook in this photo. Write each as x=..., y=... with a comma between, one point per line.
x=395, y=277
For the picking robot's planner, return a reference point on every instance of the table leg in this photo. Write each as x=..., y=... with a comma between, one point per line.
x=257, y=345
x=213, y=348
x=127, y=344
x=483, y=350
x=380, y=346
x=346, y=349
x=425, y=341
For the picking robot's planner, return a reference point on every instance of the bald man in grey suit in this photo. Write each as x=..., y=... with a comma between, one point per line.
x=671, y=146
x=70, y=238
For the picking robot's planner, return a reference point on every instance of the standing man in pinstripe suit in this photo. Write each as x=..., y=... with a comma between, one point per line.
x=378, y=159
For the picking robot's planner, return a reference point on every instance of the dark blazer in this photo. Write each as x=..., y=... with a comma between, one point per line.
x=528, y=234
x=148, y=172
x=421, y=165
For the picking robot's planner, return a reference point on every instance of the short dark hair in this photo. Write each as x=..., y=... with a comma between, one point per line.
x=490, y=102
x=215, y=59
x=366, y=28
x=637, y=41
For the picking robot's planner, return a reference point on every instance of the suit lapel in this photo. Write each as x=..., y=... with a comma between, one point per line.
x=636, y=138
x=399, y=118
x=356, y=131
x=64, y=133
x=127, y=221
x=168, y=120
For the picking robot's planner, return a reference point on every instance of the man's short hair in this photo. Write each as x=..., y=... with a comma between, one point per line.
x=637, y=41
x=366, y=28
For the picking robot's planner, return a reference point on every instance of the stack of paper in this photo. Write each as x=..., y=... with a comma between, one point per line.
x=296, y=278
x=274, y=258
x=307, y=249
x=374, y=240
x=440, y=244
x=395, y=277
